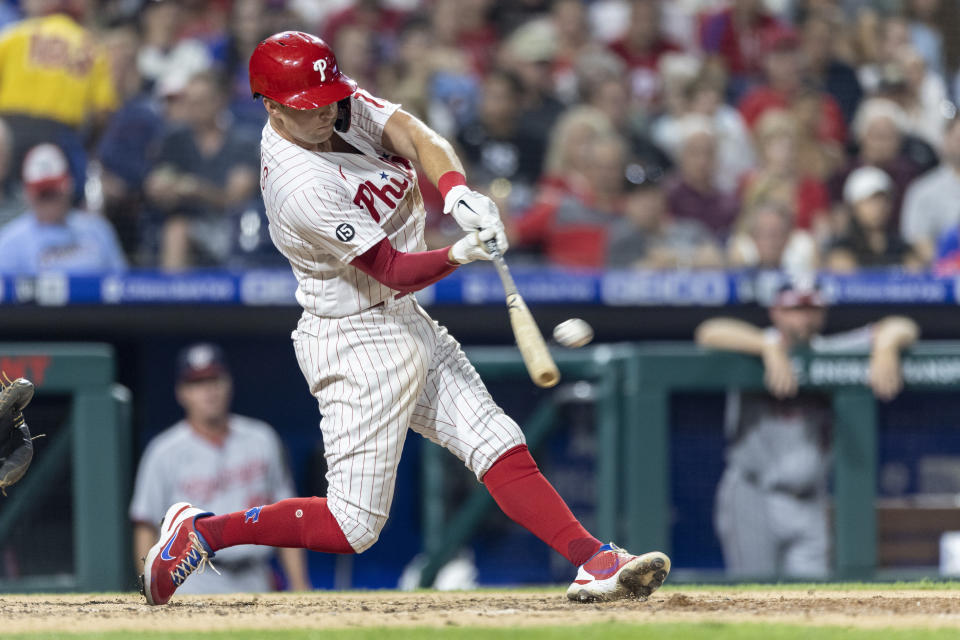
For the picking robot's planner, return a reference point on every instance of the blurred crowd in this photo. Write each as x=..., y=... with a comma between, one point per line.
x=796, y=134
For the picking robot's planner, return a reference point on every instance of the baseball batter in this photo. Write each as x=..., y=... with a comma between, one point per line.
x=344, y=207
x=772, y=501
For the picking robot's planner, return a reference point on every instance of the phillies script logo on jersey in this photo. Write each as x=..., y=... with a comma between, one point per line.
x=389, y=193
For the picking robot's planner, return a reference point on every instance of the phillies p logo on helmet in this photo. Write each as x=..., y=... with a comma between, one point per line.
x=321, y=66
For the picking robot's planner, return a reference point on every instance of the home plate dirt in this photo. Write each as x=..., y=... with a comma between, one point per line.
x=95, y=612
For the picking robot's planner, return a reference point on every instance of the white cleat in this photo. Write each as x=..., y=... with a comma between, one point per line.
x=613, y=574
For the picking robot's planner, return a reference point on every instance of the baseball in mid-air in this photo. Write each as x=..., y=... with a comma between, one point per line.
x=573, y=333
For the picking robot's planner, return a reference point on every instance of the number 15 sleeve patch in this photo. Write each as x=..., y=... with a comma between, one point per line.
x=331, y=222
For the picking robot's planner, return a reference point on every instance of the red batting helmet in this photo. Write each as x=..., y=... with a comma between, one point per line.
x=298, y=70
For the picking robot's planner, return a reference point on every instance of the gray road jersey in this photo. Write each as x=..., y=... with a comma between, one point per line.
x=248, y=469
x=784, y=444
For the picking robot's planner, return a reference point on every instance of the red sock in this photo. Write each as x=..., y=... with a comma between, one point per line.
x=528, y=499
x=297, y=522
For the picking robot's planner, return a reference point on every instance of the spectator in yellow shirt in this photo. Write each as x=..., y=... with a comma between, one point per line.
x=55, y=82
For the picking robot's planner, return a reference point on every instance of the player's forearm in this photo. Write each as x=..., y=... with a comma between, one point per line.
x=895, y=333
x=731, y=334
x=436, y=156
x=404, y=272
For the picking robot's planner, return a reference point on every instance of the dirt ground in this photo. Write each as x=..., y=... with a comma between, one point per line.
x=486, y=608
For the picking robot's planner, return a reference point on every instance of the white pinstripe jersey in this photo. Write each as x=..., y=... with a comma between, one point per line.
x=327, y=208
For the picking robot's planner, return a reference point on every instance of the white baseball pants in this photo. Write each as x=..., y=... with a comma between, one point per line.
x=376, y=374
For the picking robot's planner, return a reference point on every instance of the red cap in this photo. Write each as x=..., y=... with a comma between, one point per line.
x=45, y=169
x=298, y=70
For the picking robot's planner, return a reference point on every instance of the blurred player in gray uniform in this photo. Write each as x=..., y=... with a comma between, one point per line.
x=771, y=505
x=218, y=458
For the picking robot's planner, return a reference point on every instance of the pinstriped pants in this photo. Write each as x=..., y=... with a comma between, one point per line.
x=376, y=374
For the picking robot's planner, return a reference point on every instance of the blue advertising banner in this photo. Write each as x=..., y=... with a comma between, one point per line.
x=478, y=285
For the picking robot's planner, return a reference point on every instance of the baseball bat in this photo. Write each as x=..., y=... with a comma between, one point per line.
x=540, y=365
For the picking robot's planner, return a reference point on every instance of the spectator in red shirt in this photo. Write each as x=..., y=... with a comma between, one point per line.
x=575, y=230
x=781, y=178
x=565, y=164
x=733, y=36
x=784, y=85
x=640, y=49
x=692, y=191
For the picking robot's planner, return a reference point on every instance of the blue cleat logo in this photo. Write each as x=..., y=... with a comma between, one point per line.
x=165, y=553
x=252, y=515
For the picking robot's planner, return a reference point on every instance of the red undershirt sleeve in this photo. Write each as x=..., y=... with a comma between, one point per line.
x=405, y=272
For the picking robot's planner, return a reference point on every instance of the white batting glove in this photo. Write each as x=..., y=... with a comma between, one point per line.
x=471, y=210
x=473, y=246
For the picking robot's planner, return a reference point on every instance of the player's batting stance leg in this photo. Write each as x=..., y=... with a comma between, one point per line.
x=345, y=210
x=425, y=383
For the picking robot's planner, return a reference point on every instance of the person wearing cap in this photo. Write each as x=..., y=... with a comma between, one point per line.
x=219, y=458
x=771, y=509
x=51, y=235
x=784, y=86
x=870, y=239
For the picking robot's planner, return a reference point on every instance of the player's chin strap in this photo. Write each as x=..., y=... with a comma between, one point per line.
x=342, y=125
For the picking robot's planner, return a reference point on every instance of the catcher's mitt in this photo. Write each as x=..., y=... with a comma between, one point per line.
x=16, y=447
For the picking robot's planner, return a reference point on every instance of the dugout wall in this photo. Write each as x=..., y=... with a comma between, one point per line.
x=633, y=414
x=94, y=441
